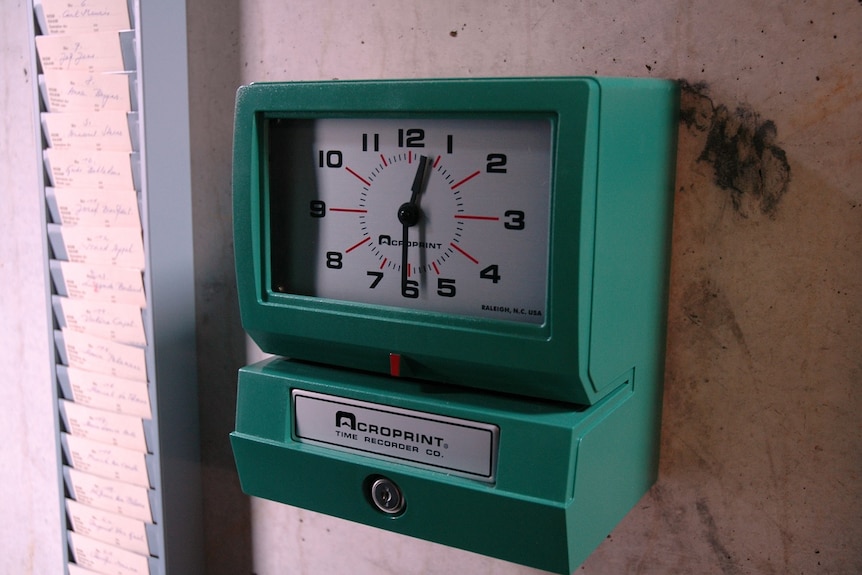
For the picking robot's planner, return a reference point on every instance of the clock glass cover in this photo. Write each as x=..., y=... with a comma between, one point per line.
x=445, y=215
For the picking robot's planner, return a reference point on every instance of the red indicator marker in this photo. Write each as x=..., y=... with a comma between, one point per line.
x=487, y=218
x=408, y=270
x=395, y=364
x=465, y=254
x=383, y=159
x=350, y=210
x=467, y=179
x=383, y=263
x=356, y=245
x=436, y=269
x=410, y=157
x=437, y=161
x=363, y=180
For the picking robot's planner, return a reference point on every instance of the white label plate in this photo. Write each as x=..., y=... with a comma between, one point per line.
x=445, y=444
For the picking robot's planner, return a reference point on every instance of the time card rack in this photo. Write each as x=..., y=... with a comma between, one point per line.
x=112, y=117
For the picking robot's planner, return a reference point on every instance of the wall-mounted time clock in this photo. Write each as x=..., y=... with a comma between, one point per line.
x=465, y=282
x=448, y=230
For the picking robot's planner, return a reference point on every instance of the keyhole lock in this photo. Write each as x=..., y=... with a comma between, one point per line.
x=387, y=497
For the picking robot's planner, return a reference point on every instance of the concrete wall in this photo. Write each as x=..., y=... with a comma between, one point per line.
x=30, y=527
x=762, y=445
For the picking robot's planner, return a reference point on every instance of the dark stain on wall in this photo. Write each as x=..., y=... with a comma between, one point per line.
x=725, y=559
x=740, y=147
x=706, y=306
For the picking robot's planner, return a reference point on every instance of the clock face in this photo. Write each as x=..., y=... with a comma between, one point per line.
x=436, y=214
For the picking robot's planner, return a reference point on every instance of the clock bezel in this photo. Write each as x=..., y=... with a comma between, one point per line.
x=543, y=361
x=298, y=180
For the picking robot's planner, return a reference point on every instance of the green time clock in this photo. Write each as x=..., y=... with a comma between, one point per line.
x=464, y=283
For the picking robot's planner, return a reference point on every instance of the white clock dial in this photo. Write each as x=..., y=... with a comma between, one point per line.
x=446, y=215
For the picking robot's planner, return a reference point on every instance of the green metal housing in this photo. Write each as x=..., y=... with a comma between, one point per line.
x=577, y=400
x=565, y=477
x=613, y=164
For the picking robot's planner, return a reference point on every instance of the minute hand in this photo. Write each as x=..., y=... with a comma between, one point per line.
x=409, y=215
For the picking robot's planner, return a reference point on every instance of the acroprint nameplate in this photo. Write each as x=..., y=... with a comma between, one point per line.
x=446, y=444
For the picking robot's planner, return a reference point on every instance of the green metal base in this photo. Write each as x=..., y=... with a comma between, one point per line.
x=565, y=475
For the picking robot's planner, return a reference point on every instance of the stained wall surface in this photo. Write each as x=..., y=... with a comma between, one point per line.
x=761, y=464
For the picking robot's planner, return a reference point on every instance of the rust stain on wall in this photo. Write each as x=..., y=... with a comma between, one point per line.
x=741, y=148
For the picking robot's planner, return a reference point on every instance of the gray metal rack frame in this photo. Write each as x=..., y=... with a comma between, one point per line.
x=164, y=197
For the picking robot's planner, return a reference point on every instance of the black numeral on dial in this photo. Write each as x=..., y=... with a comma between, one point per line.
x=410, y=289
x=491, y=272
x=375, y=142
x=333, y=260
x=411, y=138
x=496, y=164
x=329, y=159
x=377, y=277
x=515, y=220
x=445, y=287
x=317, y=208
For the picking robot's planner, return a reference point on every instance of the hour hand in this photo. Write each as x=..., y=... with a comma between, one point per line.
x=409, y=212
x=419, y=179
